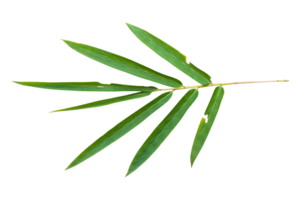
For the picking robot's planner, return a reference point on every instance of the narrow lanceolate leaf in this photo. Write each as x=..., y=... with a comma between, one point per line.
x=122, y=128
x=107, y=101
x=171, y=55
x=162, y=131
x=204, y=127
x=87, y=86
x=123, y=64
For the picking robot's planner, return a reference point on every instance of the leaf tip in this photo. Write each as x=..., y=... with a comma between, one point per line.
x=64, y=169
x=125, y=23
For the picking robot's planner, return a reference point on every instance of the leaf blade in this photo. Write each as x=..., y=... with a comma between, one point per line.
x=87, y=86
x=106, y=101
x=162, y=131
x=170, y=54
x=123, y=64
x=122, y=128
x=205, y=127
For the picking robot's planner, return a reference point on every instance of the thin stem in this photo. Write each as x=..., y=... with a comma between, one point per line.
x=217, y=84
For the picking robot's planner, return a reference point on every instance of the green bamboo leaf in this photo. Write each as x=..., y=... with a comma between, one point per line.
x=107, y=101
x=198, y=142
x=162, y=131
x=122, y=128
x=171, y=55
x=204, y=127
x=87, y=86
x=123, y=64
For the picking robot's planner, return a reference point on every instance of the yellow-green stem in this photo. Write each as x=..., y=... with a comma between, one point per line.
x=217, y=84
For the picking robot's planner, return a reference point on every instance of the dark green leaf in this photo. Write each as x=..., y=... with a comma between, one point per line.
x=103, y=102
x=206, y=124
x=122, y=64
x=85, y=86
x=170, y=54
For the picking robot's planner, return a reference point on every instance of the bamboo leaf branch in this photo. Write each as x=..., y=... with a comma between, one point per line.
x=162, y=131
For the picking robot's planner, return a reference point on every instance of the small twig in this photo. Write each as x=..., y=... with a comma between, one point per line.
x=217, y=84
x=261, y=81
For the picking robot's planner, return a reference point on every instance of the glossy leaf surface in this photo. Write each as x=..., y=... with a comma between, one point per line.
x=162, y=131
x=107, y=101
x=123, y=64
x=87, y=86
x=171, y=55
x=204, y=127
x=122, y=128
